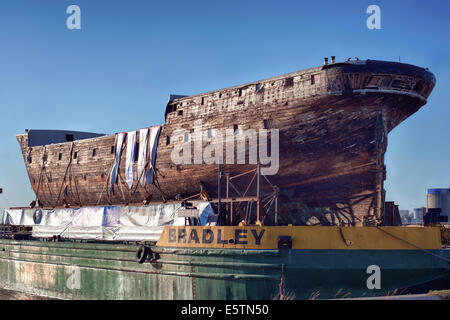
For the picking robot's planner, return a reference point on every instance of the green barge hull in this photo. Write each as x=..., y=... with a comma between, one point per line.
x=86, y=270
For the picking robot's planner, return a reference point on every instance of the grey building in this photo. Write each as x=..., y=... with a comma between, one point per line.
x=417, y=215
x=405, y=217
x=439, y=198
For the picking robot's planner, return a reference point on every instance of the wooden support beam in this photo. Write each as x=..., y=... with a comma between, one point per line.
x=242, y=174
x=238, y=199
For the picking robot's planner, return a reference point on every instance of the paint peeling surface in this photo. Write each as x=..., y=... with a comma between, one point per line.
x=15, y=295
x=308, y=237
x=73, y=270
x=33, y=274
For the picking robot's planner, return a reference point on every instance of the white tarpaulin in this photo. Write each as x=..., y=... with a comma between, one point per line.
x=88, y=217
x=56, y=218
x=128, y=223
x=142, y=156
x=154, y=137
x=12, y=216
x=129, y=161
x=120, y=138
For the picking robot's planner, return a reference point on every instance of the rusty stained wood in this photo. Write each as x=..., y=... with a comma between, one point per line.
x=333, y=138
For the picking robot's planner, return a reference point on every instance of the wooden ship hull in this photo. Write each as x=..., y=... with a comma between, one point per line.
x=333, y=122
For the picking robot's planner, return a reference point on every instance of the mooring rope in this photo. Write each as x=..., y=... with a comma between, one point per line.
x=156, y=183
x=65, y=175
x=413, y=245
x=103, y=189
x=346, y=241
x=40, y=175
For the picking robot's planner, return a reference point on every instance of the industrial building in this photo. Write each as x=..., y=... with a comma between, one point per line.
x=439, y=198
x=417, y=215
x=406, y=218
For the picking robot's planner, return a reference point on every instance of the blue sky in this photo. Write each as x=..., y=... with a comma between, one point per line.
x=115, y=74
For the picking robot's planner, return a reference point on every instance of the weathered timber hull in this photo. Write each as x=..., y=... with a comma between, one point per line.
x=72, y=270
x=333, y=123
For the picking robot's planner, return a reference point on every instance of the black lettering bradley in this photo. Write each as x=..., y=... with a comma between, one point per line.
x=209, y=236
x=240, y=236
x=219, y=237
x=193, y=237
x=172, y=235
x=258, y=237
